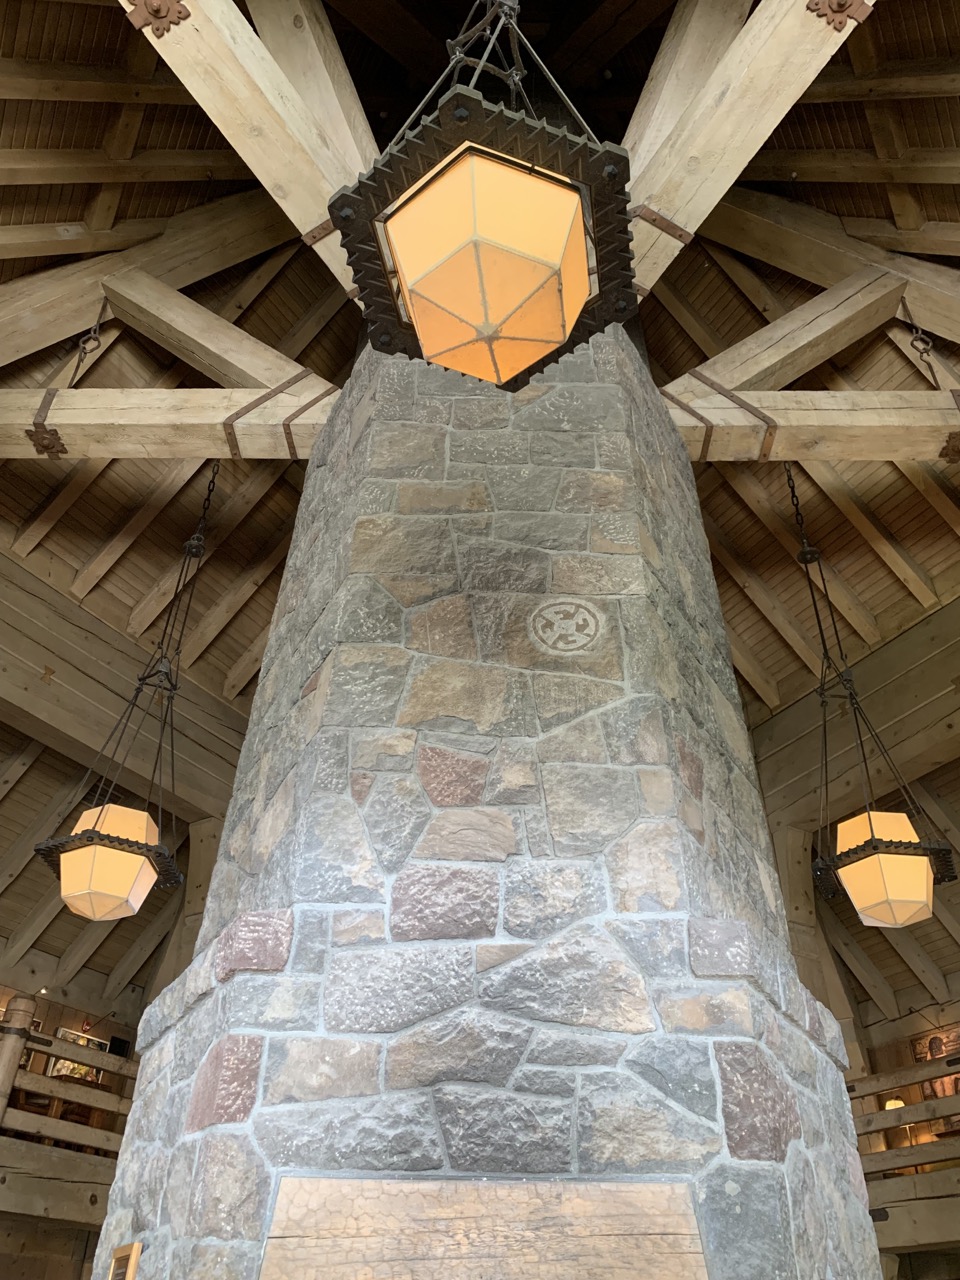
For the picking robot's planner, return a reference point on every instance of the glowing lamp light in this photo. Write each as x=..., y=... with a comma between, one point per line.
x=891, y=887
x=105, y=881
x=893, y=1104
x=492, y=263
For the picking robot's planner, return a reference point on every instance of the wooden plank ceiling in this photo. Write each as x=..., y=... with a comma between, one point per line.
x=101, y=148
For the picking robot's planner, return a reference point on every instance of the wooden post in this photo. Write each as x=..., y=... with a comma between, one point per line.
x=13, y=1036
x=204, y=843
x=890, y=1263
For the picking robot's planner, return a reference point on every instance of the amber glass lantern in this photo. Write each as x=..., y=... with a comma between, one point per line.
x=483, y=239
x=885, y=870
x=491, y=261
x=110, y=874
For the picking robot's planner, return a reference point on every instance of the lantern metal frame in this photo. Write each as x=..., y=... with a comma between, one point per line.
x=463, y=115
x=837, y=683
x=158, y=683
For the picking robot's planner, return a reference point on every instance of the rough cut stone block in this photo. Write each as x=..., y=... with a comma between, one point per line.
x=635, y=733
x=542, y=897
x=470, y=1045
x=407, y=451
x=444, y=902
x=492, y=954
x=646, y=869
x=259, y=942
x=231, y=1189
x=587, y=808
x=492, y=1132
x=555, y=1084
x=514, y=778
x=393, y=1133
x=657, y=946
x=464, y=698
x=384, y=750
x=395, y=815
x=628, y=1128
x=680, y=1069
x=420, y=498
x=225, y=1088
x=469, y=835
x=356, y=928
x=444, y=628
x=716, y=1011
x=549, y=633
x=575, y=1049
x=579, y=978
x=518, y=488
x=759, y=1107
x=377, y=991
x=313, y=1068
x=721, y=949
x=745, y=1223
x=450, y=777
x=272, y=1004
x=335, y=862
x=561, y=699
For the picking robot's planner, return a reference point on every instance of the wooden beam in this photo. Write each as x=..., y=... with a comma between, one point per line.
x=235, y=597
x=54, y=1087
x=133, y=959
x=594, y=36
x=134, y=523
x=889, y=82
x=259, y=112
x=32, y=926
x=873, y=531
x=17, y=764
x=918, y=960
x=804, y=338
x=37, y=310
x=50, y=1183
x=65, y=677
x=81, y=949
x=204, y=340
x=40, y=522
x=28, y=168
x=62, y=803
x=756, y=590
x=688, y=317
x=853, y=165
x=814, y=246
x=27, y=81
x=756, y=675
x=937, y=490
x=204, y=846
x=935, y=238
x=299, y=36
x=219, y=527
x=773, y=59
x=813, y=425
x=247, y=665
x=699, y=33
x=858, y=962
x=61, y=1130
x=45, y=240
x=758, y=499
x=908, y=1157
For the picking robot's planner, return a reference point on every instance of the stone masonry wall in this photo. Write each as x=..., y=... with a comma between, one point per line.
x=496, y=894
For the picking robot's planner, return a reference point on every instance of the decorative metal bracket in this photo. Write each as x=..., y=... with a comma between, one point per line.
x=838, y=12
x=161, y=15
x=46, y=440
x=951, y=449
x=661, y=222
x=168, y=875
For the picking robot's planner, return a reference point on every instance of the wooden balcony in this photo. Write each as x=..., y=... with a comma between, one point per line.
x=61, y=1130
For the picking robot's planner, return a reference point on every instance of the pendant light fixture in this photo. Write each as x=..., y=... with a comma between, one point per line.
x=483, y=239
x=114, y=856
x=887, y=861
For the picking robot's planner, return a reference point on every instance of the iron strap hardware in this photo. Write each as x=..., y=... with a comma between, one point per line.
x=20, y=1033
x=46, y=440
x=319, y=232
x=951, y=448
x=766, y=447
x=661, y=222
x=705, y=422
x=298, y=413
x=838, y=12
x=230, y=423
x=161, y=15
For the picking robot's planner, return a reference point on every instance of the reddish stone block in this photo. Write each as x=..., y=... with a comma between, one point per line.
x=225, y=1088
x=360, y=784
x=450, y=778
x=258, y=943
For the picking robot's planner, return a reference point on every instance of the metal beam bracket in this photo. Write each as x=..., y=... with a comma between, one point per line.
x=704, y=422
x=838, y=12
x=318, y=233
x=230, y=423
x=661, y=222
x=161, y=15
x=766, y=447
x=46, y=440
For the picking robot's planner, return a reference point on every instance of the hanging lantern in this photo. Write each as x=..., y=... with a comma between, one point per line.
x=113, y=857
x=108, y=873
x=893, y=1104
x=483, y=239
x=887, y=869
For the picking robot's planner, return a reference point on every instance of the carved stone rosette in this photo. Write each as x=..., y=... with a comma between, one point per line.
x=161, y=15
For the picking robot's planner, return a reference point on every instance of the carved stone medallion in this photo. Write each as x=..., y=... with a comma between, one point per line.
x=565, y=626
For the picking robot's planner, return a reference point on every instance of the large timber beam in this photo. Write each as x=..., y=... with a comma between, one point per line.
x=65, y=677
x=909, y=689
x=815, y=246
x=739, y=102
x=260, y=113
x=22, y=80
x=888, y=82
x=825, y=426
x=37, y=310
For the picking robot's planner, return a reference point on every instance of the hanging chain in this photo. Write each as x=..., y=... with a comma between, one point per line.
x=922, y=344
x=88, y=344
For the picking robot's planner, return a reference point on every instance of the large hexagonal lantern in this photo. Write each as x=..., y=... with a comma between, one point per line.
x=489, y=242
x=492, y=264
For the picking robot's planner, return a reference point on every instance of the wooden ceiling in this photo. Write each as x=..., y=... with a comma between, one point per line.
x=102, y=149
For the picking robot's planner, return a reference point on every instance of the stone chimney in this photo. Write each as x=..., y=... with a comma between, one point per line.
x=494, y=978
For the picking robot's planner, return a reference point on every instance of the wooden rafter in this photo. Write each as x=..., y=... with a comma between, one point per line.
x=13, y=860
x=592, y=37
x=858, y=962
x=21, y=80
x=886, y=83
x=17, y=764
x=40, y=522
x=392, y=26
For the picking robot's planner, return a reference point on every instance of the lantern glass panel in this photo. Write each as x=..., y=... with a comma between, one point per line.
x=492, y=263
x=890, y=890
x=886, y=826
x=101, y=882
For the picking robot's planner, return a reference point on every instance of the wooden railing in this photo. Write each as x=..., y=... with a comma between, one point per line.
x=912, y=1170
